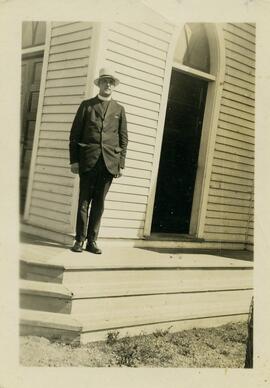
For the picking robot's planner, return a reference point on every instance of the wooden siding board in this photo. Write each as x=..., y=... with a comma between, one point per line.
x=240, y=66
x=246, y=30
x=74, y=36
x=49, y=188
x=124, y=215
x=52, y=161
x=222, y=200
x=152, y=71
x=65, y=91
x=50, y=214
x=63, y=100
x=128, y=52
x=68, y=64
x=236, y=103
x=219, y=177
x=225, y=222
x=241, y=52
x=53, y=84
x=69, y=55
x=125, y=206
x=59, y=29
x=53, y=153
x=124, y=98
x=233, y=165
x=228, y=237
x=49, y=224
x=142, y=79
x=71, y=46
x=235, y=128
x=228, y=216
x=236, y=37
x=67, y=73
x=237, y=152
x=60, y=109
x=245, y=138
x=140, y=35
x=126, y=41
x=54, y=179
x=214, y=192
x=126, y=189
x=237, y=73
x=230, y=186
x=246, y=147
x=45, y=197
x=116, y=232
x=48, y=203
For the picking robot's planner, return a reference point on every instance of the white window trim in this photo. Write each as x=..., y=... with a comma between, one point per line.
x=196, y=73
x=33, y=50
x=38, y=118
x=208, y=130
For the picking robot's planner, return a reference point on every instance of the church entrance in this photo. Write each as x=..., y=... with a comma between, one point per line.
x=179, y=154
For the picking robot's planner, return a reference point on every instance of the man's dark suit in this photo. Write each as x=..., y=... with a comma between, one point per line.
x=98, y=142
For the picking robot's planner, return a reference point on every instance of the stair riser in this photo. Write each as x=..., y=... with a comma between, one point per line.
x=45, y=303
x=76, y=337
x=154, y=275
x=173, y=326
x=138, y=306
x=41, y=273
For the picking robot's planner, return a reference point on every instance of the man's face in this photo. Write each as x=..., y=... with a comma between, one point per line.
x=106, y=86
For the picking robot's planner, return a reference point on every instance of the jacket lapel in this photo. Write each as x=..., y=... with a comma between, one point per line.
x=98, y=108
x=111, y=108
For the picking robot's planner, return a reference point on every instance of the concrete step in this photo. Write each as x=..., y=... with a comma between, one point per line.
x=140, y=319
x=74, y=297
x=122, y=264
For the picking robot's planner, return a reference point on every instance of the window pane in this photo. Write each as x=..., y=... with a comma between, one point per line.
x=33, y=34
x=192, y=48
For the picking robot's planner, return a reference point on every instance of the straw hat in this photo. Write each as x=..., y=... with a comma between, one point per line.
x=107, y=72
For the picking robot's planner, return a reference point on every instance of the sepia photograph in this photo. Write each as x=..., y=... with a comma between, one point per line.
x=137, y=193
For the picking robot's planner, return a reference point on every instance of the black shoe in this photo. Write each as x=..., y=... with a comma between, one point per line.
x=77, y=247
x=93, y=248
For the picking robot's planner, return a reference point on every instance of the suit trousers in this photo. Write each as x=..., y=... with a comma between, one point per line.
x=94, y=185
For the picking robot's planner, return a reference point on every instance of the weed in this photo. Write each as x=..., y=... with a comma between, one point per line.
x=112, y=337
x=126, y=352
x=162, y=332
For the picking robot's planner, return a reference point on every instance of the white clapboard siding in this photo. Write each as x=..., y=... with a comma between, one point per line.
x=65, y=86
x=139, y=53
x=230, y=204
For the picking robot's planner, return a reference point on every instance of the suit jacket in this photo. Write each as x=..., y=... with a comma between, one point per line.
x=94, y=132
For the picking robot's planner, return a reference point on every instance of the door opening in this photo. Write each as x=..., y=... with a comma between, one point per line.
x=31, y=76
x=179, y=154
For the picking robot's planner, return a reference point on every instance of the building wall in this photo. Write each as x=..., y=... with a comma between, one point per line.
x=229, y=213
x=51, y=189
x=139, y=53
x=142, y=56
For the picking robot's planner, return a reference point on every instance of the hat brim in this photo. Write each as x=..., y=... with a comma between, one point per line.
x=116, y=80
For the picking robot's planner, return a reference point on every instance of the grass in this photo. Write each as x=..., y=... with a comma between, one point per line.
x=220, y=347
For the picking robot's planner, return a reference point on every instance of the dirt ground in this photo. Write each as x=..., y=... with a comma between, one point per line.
x=221, y=347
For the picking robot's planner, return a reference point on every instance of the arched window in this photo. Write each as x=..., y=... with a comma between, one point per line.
x=33, y=34
x=192, y=48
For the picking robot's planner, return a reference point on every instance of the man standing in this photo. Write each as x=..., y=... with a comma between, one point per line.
x=98, y=145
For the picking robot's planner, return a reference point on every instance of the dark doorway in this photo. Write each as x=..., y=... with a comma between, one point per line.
x=179, y=154
x=31, y=76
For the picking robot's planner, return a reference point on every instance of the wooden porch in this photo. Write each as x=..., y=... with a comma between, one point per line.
x=81, y=297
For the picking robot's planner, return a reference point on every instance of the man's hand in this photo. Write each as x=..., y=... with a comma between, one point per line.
x=74, y=167
x=119, y=174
